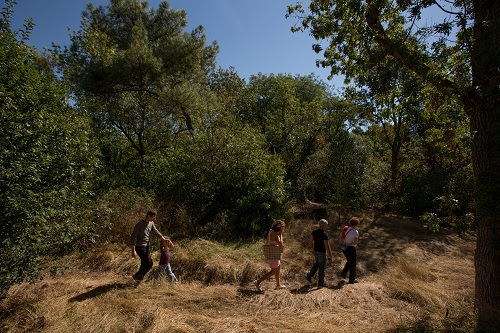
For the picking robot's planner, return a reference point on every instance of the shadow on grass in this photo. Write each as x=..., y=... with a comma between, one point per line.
x=245, y=292
x=100, y=291
x=302, y=290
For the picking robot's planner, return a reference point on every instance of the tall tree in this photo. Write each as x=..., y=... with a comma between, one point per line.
x=359, y=32
x=390, y=96
x=136, y=71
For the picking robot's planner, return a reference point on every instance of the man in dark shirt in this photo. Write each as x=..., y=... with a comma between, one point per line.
x=320, y=247
x=139, y=240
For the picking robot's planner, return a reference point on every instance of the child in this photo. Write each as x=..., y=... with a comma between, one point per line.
x=165, y=246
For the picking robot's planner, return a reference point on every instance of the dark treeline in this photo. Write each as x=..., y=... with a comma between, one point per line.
x=135, y=113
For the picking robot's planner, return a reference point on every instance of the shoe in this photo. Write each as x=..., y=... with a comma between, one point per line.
x=343, y=276
x=308, y=278
x=257, y=285
x=352, y=282
x=322, y=285
x=281, y=286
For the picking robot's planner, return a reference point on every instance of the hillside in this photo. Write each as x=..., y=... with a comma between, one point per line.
x=410, y=280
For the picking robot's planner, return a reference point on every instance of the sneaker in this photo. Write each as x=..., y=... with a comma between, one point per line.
x=322, y=285
x=352, y=282
x=257, y=285
x=308, y=278
x=281, y=286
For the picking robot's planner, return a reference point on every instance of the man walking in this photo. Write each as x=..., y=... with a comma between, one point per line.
x=320, y=247
x=349, y=238
x=139, y=240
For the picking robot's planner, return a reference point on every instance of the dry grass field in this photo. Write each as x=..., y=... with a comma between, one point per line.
x=410, y=280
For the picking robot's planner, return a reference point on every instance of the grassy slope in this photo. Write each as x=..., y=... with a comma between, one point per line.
x=410, y=280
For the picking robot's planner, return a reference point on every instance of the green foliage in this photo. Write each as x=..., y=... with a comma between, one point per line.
x=229, y=184
x=337, y=171
x=138, y=75
x=46, y=164
x=288, y=111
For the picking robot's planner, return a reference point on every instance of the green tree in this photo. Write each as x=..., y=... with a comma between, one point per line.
x=288, y=111
x=389, y=97
x=362, y=32
x=136, y=72
x=46, y=162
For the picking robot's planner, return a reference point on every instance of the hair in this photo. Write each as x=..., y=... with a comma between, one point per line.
x=354, y=221
x=151, y=212
x=277, y=225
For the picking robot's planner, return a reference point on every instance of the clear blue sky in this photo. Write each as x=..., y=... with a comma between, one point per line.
x=253, y=35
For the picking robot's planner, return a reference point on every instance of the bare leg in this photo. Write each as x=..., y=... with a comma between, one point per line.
x=266, y=276
x=277, y=276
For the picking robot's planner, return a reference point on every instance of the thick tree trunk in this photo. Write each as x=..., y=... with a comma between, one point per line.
x=486, y=155
x=484, y=112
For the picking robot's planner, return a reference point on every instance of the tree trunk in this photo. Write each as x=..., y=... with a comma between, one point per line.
x=487, y=197
x=484, y=113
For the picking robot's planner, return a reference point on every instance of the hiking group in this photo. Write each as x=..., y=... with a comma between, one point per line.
x=321, y=250
x=273, y=248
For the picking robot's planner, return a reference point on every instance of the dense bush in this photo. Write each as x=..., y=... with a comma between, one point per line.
x=337, y=172
x=117, y=211
x=46, y=164
x=436, y=192
x=228, y=183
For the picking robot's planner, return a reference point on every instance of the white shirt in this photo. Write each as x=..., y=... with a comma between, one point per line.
x=351, y=234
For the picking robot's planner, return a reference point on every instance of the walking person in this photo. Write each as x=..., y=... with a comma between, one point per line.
x=349, y=238
x=320, y=247
x=139, y=240
x=165, y=246
x=275, y=245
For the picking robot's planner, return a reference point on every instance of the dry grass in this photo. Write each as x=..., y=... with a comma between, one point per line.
x=410, y=281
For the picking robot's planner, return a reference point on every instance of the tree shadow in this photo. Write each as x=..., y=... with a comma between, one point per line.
x=388, y=236
x=100, y=291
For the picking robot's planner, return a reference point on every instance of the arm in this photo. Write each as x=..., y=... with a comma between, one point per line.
x=276, y=238
x=355, y=242
x=280, y=239
x=311, y=241
x=328, y=249
x=170, y=244
x=133, y=238
x=158, y=233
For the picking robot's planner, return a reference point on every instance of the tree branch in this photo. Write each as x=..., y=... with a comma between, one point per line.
x=405, y=56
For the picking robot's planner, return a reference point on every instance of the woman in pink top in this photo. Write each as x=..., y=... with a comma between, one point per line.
x=274, y=237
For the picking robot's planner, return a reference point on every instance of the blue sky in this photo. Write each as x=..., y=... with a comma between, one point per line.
x=253, y=35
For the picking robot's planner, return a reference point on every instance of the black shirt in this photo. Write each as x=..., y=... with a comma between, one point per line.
x=319, y=236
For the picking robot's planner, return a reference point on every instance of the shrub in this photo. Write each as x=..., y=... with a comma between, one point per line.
x=229, y=184
x=47, y=164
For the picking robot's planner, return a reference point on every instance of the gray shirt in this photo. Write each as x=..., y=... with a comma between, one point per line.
x=140, y=235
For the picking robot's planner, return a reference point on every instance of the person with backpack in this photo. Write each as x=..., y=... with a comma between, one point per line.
x=320, y=247
x=348, y=242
